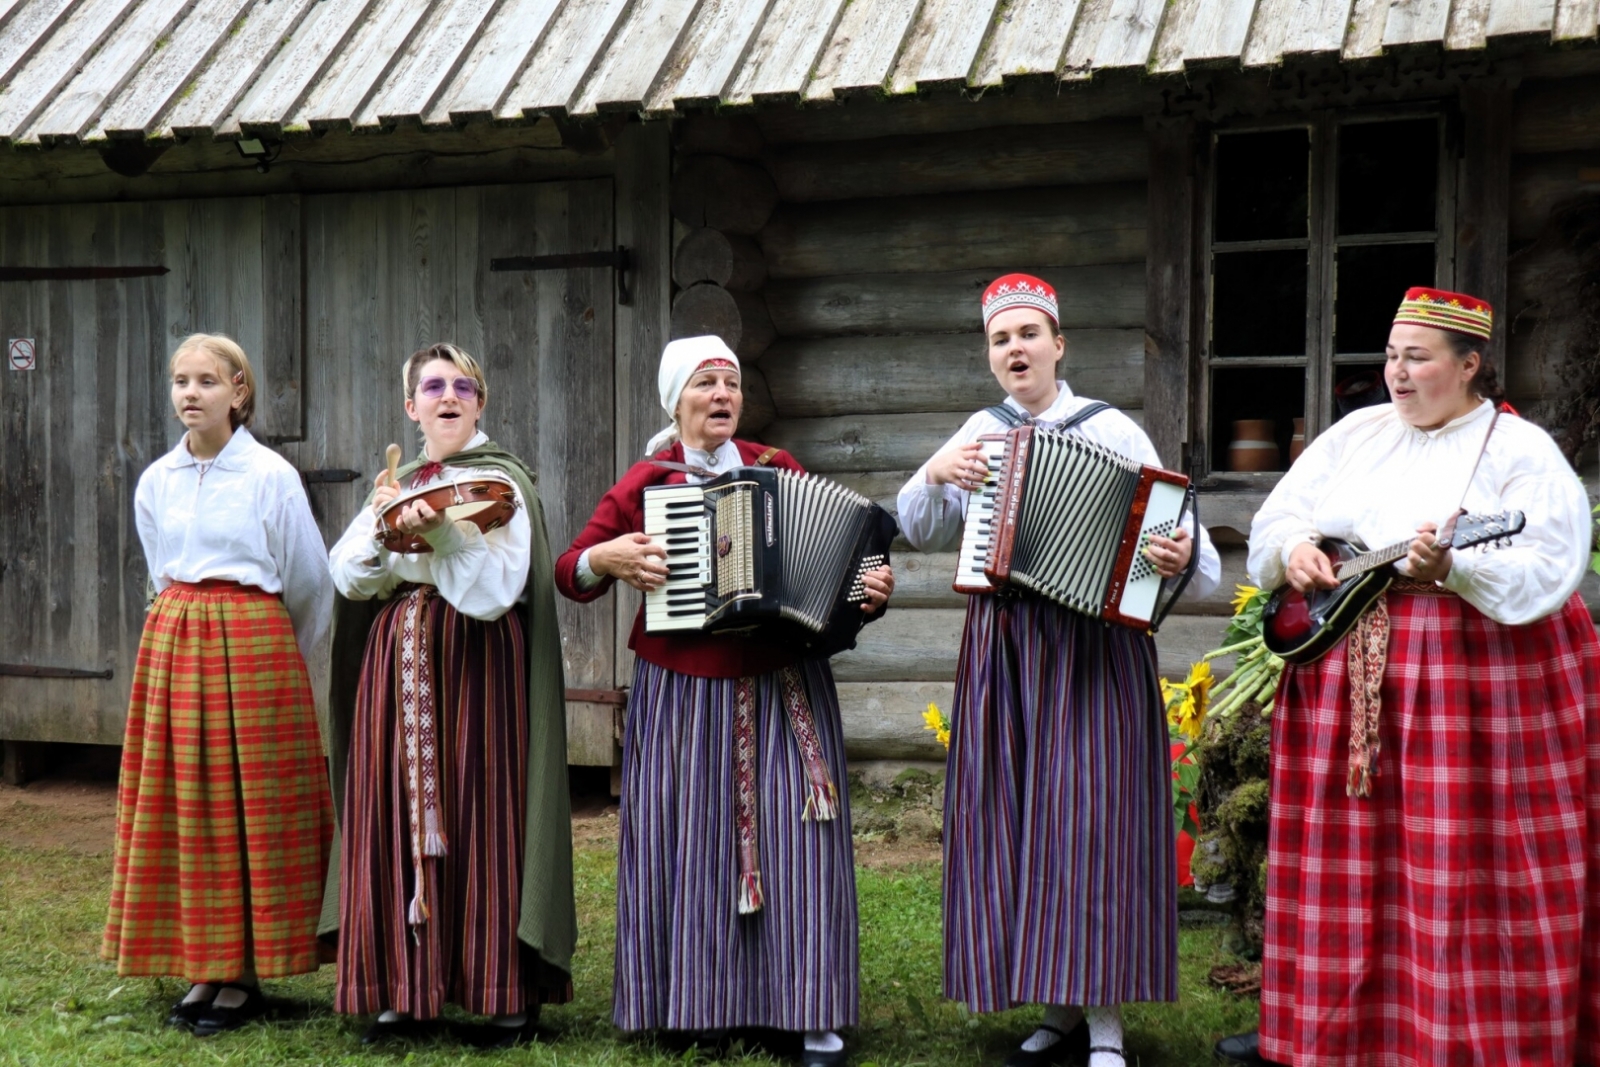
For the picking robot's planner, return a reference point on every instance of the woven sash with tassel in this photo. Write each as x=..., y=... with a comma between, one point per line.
x=418, y=725
x=822, y=798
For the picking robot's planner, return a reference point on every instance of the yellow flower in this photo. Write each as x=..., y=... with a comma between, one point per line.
x=1199, y=684
x=937, y=724
x=1242, y=595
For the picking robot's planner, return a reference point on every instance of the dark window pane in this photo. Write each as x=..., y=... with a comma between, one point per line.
x=1277, y=394
x=1388, y=176
x=1258, y=304
x=1372, y=279
x=1262, y=185
x=1357, y=385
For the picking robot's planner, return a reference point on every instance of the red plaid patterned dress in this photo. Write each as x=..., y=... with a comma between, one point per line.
x=1452, y=917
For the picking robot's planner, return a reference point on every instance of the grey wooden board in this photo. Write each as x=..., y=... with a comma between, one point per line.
x=1363, y=38
x=74, y=436
x=566, y=55
x=1219, y=31
x=922, y=644
x=862, y=48
x=785, y=50
x=622, y=79
x=26, y=29
x=1296, y=27
x=1557, y=116
x=1113, y=34
x=206, y=101
x=387, y=273
x=497, y=57
x=935, y=372
x=1468, y=23
x=436, y=51
x=1415, y=21
x=1070, y=226
x=1541, y=183
x=883, y=720
x=1098, y=296
x=1508, y=18
x=708, y=53
x=942, y=46
x=1028, y=39
x=1006, y=157
x=297, y=66
x=56, y=61
x=189, y=49
x=1575, y=20
x=359, y=67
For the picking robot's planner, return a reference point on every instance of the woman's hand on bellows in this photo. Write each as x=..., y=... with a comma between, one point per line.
x=1309, y=569
x=879, y=584
x=1170, y=555
x=633, y=558
x=1426, y=561
x=387, y=490
x=962, y=466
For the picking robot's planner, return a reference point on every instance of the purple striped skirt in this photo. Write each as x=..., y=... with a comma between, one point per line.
x=686, y=959
x=467, y=952
x=1059, y=878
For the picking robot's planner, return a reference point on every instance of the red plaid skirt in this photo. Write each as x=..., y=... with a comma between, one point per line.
x=224, y=816
x=1452, y=917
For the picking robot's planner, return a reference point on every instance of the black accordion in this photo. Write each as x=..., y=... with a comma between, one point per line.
x=765, y=549
x=1067, y=518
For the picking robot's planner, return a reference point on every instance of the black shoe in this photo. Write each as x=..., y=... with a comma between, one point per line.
x=1242, y=1049
x=404, y=1028
x=1073, y=1042
x=490, y=1036
x=215, y=1020
x=184, y=1016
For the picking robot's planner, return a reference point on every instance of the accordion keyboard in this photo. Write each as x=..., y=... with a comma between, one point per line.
x=979, y=526
x=677, y=518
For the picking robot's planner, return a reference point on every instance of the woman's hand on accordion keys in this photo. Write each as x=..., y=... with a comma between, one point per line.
x=631, y=558
x=962, y=466
x=879, y=584
x=1169, y=555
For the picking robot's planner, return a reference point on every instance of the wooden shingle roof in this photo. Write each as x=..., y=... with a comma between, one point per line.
x=76, y=71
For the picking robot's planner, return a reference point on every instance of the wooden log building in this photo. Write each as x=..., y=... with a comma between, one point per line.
x=1230, y=196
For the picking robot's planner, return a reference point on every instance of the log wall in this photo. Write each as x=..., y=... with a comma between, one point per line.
x=865, y=304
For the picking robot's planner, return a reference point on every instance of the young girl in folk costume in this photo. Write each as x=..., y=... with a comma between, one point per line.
x=223, y=820
x=736, y=898
x=1433, y=876
x=1059, y=879
x=449, y=743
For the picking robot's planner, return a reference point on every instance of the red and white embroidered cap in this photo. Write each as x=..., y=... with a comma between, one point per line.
x=1019, y=291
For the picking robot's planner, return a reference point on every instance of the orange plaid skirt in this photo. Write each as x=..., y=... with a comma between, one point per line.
x=224, y=816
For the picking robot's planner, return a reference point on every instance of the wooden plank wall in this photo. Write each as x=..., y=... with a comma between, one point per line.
x=875, y=258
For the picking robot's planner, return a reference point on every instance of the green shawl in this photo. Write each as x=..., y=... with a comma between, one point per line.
x=548, y=923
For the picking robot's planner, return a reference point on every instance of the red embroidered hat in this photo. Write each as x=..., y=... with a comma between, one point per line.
x=1446, y=311
x=1019, y=291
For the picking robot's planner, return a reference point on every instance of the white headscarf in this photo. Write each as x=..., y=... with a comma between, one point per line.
x=679, y=360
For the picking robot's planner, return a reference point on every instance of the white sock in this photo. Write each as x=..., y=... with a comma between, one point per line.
x=511, y=1021
x=231, y=997
x=1105, y=1031
x=390, y=1017
x=1063, y=1017
x=200, y=992
x=823, y=1041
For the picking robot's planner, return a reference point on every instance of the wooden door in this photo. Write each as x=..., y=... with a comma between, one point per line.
x=386, y=274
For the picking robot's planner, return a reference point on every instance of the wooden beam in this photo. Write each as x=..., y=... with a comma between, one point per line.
x=1483, y=205
x=1170, y=306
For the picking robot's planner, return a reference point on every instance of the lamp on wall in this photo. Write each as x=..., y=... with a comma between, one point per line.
x=260, y=149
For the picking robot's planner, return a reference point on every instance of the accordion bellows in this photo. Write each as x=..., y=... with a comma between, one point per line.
x=1067, y=518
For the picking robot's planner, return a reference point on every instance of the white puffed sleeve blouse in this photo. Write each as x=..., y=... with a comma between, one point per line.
x=1372, y=479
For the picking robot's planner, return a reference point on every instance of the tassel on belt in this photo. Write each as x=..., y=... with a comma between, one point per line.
x=822, y=798
x=419, y=729
x=1367, y=656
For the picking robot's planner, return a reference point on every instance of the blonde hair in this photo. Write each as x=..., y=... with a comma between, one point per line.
x=235, y=365
x=412, y=374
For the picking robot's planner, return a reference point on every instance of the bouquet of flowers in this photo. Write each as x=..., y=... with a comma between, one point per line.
x=937, y=724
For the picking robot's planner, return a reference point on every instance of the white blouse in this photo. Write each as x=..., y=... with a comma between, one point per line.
x=1372, y=479
x=245, y=519
x=481, y=575
x=932, y=516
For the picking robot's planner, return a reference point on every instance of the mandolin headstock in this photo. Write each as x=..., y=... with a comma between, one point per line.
x=1464, y=531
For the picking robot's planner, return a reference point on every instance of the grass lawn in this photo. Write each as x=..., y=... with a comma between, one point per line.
x=61, y=1006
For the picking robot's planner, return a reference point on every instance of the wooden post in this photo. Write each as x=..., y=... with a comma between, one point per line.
x=1169, y=287
x=1483, y=206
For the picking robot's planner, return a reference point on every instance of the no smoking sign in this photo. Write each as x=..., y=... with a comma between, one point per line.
x=21, y=353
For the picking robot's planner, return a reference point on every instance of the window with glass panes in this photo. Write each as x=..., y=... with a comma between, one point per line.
x=1315, y=231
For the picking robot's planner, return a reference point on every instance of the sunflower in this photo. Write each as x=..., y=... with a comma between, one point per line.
x=1242, y=595
x=937, y=724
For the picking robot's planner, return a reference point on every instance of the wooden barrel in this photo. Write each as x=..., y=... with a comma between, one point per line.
x=1254, y=446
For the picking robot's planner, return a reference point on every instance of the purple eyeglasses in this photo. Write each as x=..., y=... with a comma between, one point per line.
x=433, y=385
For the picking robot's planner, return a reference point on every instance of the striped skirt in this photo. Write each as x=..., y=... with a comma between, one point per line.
x=223, y=815
x=466, y=952
x=1453, y=916
x=686, y=959
x=1059, y=884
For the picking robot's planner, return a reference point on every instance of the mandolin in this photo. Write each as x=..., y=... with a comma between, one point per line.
x=1302, y=627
